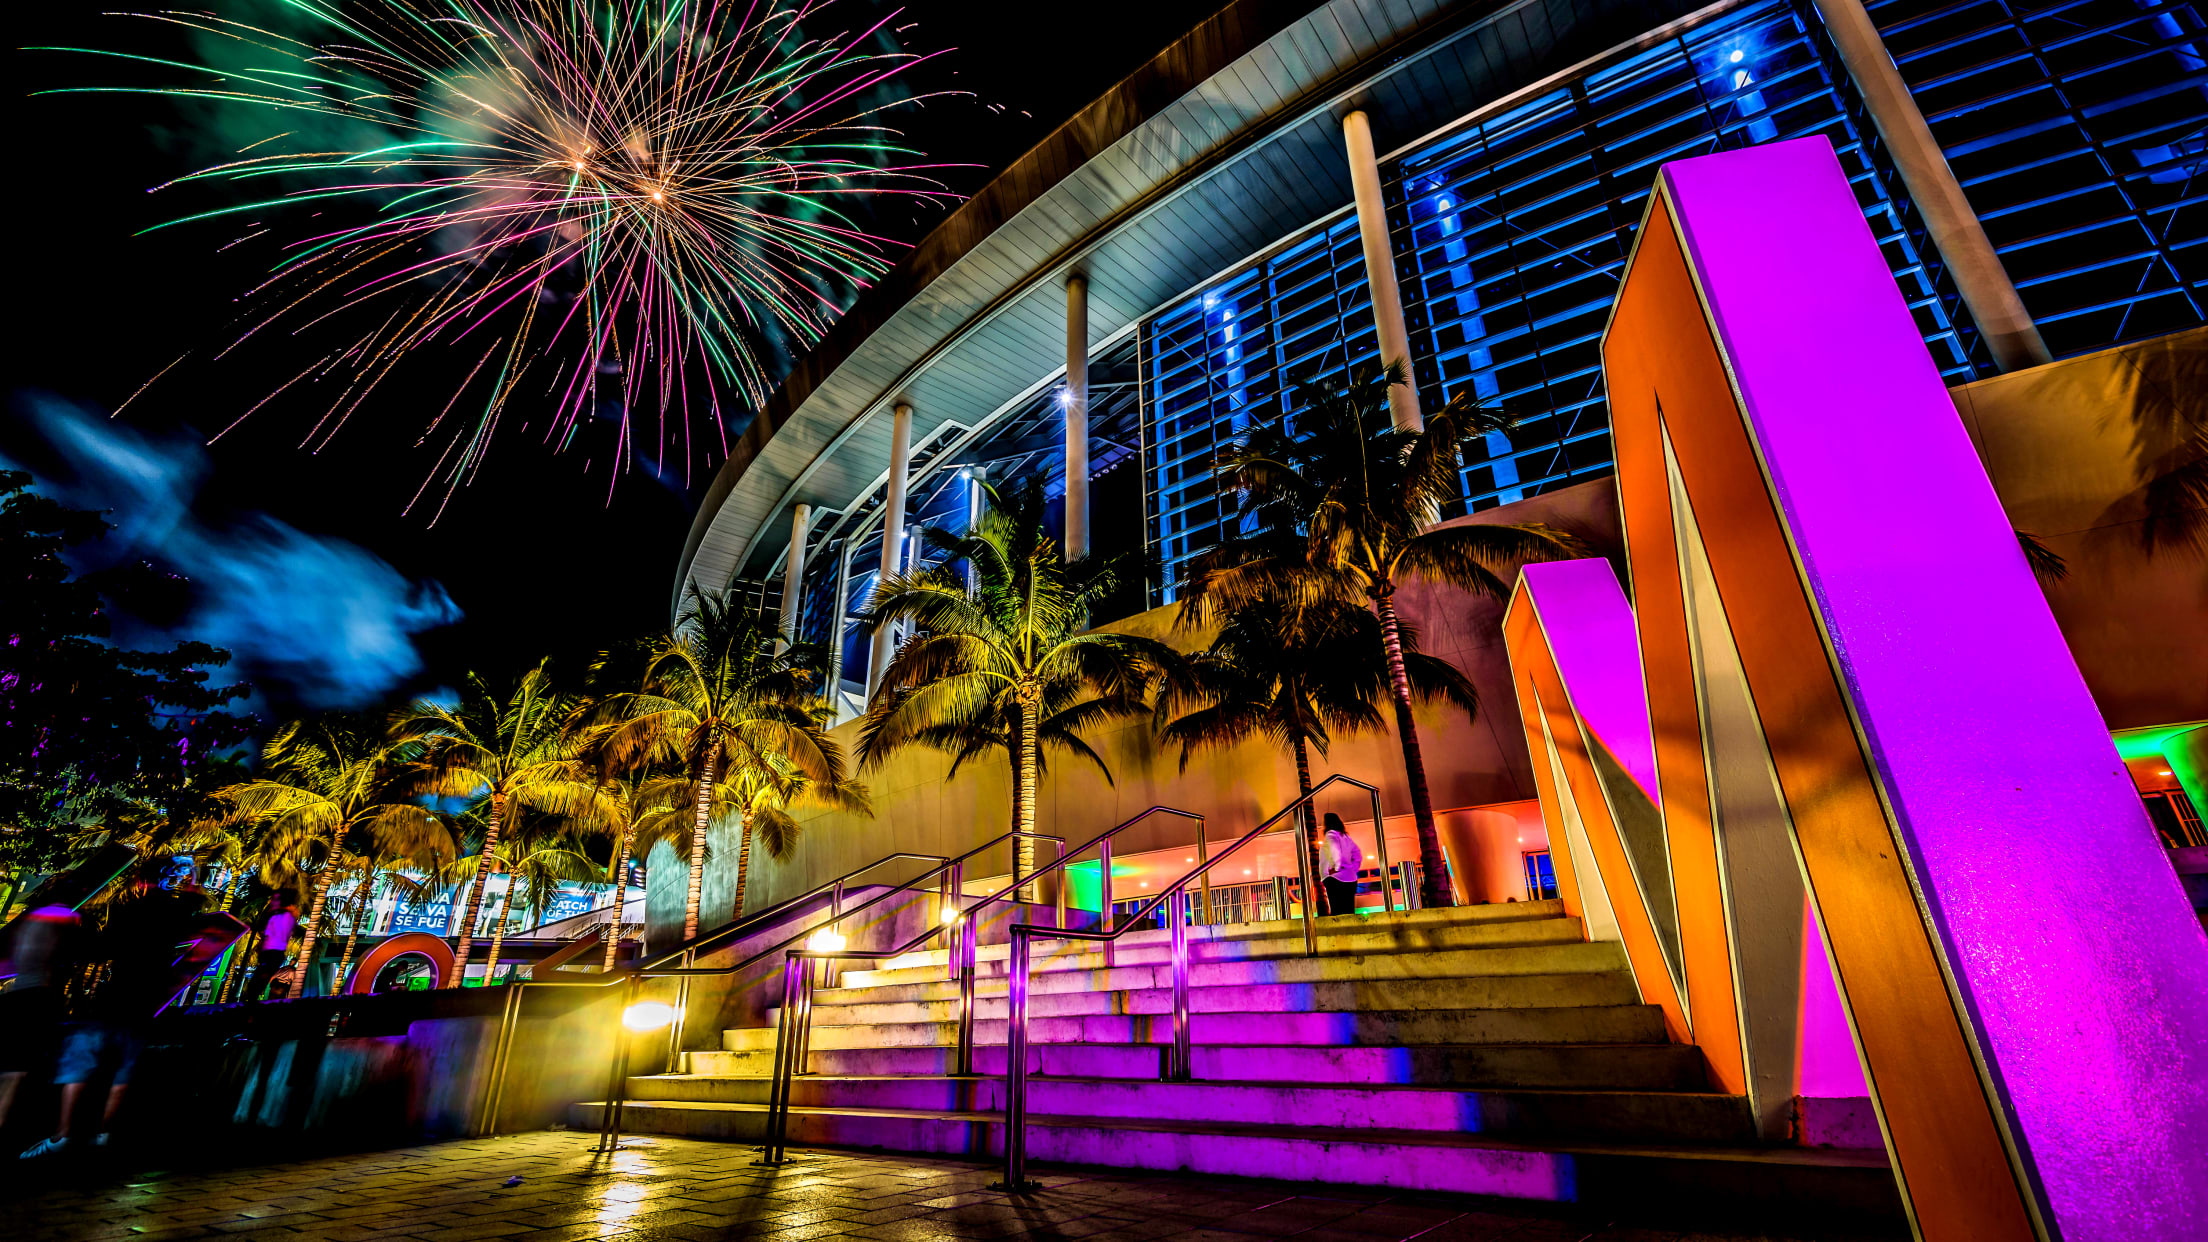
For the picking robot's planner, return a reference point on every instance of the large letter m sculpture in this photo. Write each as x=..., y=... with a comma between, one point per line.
x=1837, y=681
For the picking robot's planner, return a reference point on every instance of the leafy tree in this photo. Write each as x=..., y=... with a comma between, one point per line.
x=724, y=701
x=1297, y=677
x=1006, y=652
x=89, y=729
x=1341, y=507
x=499, y=749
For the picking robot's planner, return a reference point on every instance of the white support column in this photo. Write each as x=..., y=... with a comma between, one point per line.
x=1984, y=284
x=1387, y=298
x=1077, y=417
x=893, y=532
x=977, y=477
x=793, y=573
x=838, y=627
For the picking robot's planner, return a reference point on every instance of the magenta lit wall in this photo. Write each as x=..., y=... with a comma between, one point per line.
x=2074, y=956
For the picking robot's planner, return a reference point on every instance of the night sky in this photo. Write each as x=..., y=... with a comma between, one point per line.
x=303, y=563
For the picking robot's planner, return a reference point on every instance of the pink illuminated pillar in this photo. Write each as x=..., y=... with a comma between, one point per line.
x=1946, y=771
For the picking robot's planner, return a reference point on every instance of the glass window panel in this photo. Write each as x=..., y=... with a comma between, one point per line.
x=2079, y=128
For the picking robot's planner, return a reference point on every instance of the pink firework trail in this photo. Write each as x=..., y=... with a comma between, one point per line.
x=626, y=204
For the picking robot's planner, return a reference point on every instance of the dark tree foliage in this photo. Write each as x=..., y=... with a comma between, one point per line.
x=92, y=732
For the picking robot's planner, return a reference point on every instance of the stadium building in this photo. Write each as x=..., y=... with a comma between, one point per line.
x=1169, y=268
x=1164, y=271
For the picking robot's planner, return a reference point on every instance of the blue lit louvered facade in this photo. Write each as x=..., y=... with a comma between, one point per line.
x=2077, y=130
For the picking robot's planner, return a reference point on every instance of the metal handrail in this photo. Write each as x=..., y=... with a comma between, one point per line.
x=688, y=954
x=735, y=930
x=1179, y=1065
x=793, y=1029
x=502, y=1046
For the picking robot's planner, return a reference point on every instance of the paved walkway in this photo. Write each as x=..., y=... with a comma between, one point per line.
x=679, y=1190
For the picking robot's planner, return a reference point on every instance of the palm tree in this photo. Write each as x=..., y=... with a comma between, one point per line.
x=1006, y=651
x=647, y=810
x=516, y=749
x=1064, y=715
x=1297, y=676
x=721, y=703
x=383, y=872
x=1343, y=507
x=328, y=793
x=759, y=801
x=356, y=910
x=541, y=857
x=628, y=810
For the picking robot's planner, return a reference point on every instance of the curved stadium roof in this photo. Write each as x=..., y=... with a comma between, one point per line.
x=1224, y=143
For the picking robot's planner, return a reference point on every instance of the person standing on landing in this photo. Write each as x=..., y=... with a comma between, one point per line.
x=1342, y=861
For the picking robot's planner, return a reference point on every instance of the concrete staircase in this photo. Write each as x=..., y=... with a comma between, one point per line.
x=1487, y=1049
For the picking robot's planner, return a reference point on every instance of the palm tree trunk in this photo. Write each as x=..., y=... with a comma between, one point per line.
x=466, y=940
x=697, y=845
x=304, y=967
x=1023, y=848
x=498, y=929
x=1433, y=886
x=240, y=966
x=743, y=864
x=1012, y=766
x=1310, y=818
x=620, y=895
x=360, y=908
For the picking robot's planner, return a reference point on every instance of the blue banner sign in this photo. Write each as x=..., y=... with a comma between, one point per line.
x=574, y=899
x=433, y=914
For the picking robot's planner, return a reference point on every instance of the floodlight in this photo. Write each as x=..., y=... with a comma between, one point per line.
x=647, y=1016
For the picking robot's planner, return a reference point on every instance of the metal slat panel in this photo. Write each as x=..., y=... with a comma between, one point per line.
x=1244, y=204
x=1360, y=25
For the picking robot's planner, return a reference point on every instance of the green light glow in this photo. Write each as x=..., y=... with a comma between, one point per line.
x=1086, y=889
x=2148, y=742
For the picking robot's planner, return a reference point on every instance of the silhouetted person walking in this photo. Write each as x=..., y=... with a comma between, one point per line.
x=147, y=932
x=30, y=1010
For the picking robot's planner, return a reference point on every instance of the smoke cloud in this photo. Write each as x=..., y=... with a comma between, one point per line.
x=308, y=618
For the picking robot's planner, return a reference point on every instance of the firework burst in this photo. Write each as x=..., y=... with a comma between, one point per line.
x=597, y=208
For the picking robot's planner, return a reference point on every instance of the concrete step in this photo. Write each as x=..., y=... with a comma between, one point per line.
x=1490, y=992
x=1676, y=1116
x=1602, y=1024
x=1589, y=1067
x=1401, y=933
x=1541, y=959
x=1822, y=1186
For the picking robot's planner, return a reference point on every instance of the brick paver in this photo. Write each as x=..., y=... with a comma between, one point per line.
x=677, y=1190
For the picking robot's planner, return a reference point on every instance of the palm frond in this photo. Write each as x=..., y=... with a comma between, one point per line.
x=1475, y=556
x=2047, y=564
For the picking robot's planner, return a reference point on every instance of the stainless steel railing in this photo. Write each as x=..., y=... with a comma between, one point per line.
x=793, y=1030
x=686, y=955
x=1179, y=1062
